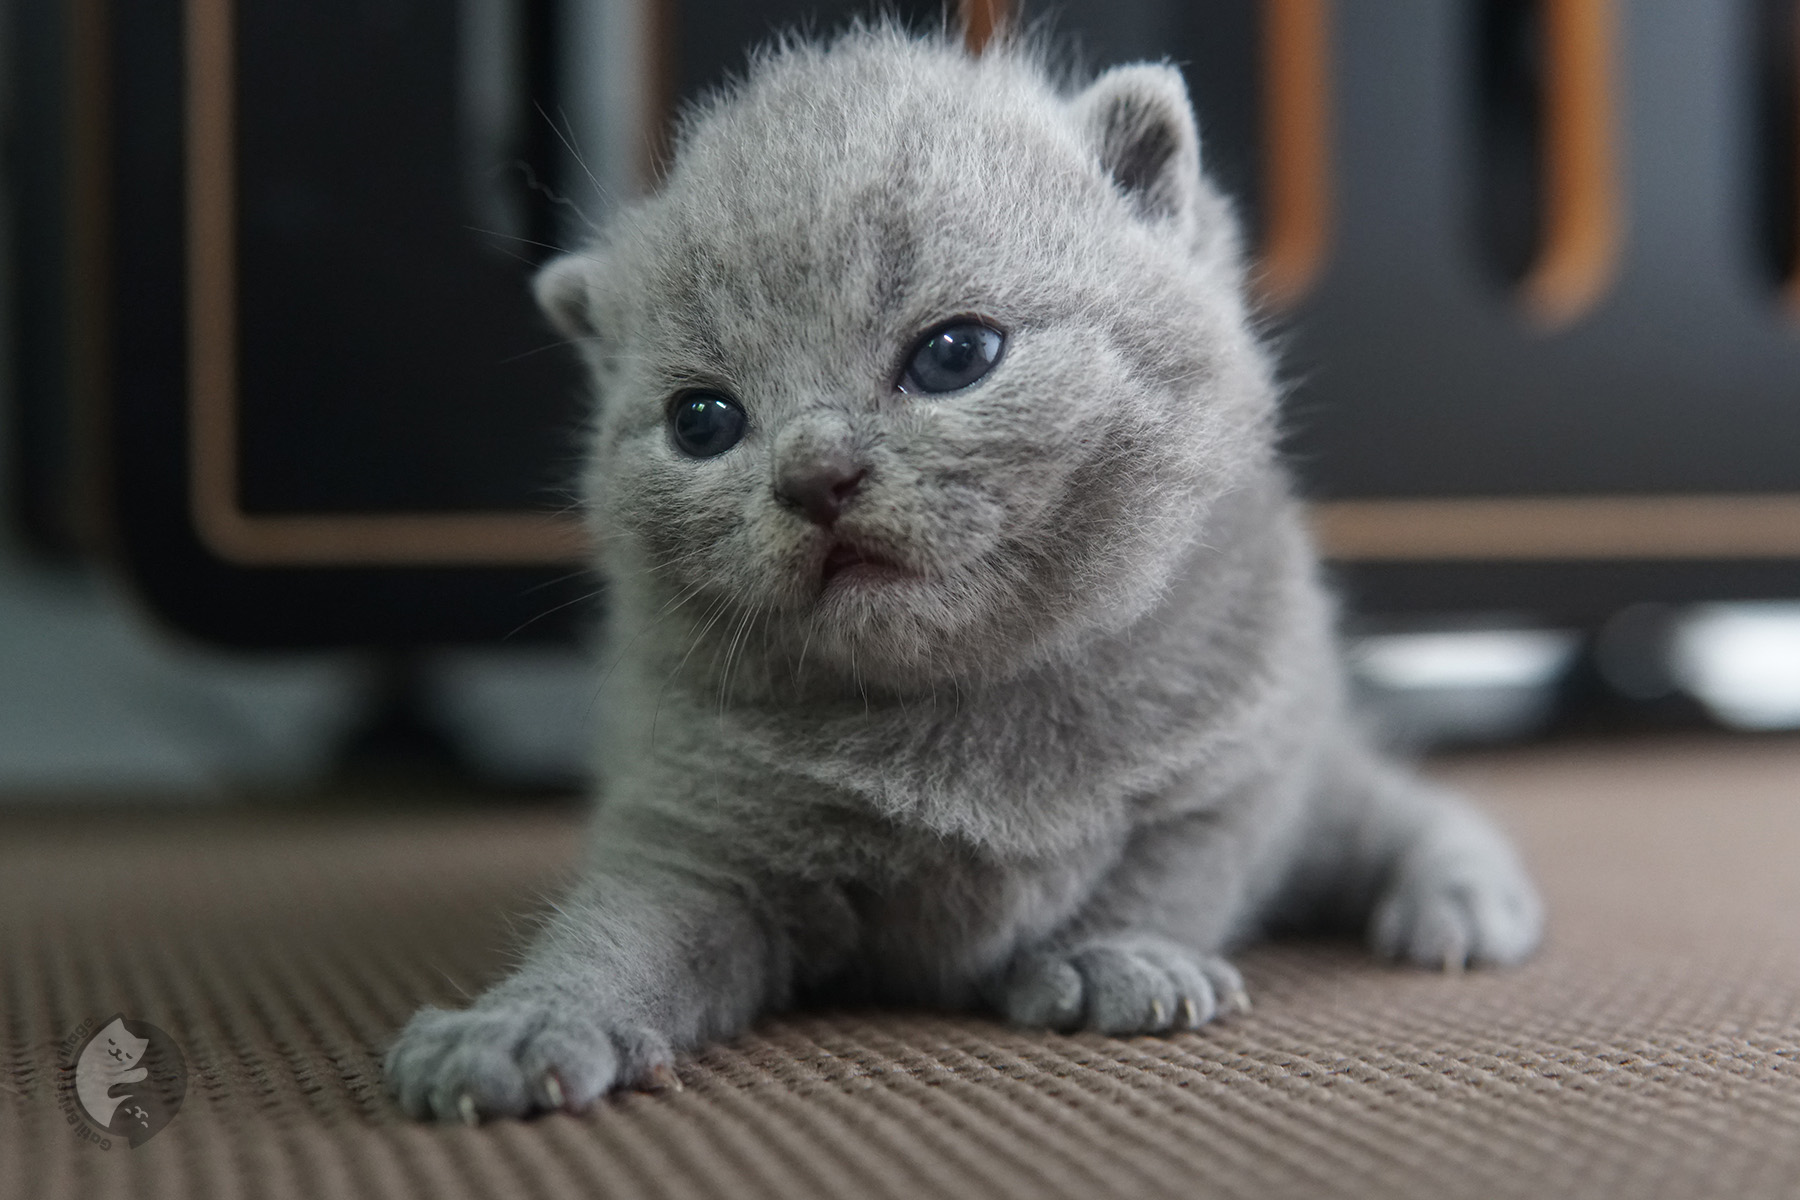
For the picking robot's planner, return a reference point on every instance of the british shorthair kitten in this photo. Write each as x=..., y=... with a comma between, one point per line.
x=970, y=648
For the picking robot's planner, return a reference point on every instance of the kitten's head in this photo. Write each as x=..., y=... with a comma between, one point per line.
x=931, y=366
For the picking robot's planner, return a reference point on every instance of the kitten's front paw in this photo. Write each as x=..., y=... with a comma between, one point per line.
x=509, y=1058
x=1123, y=986
x=1451, y=912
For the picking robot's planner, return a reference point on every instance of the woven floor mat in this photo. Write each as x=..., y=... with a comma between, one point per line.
x=1652, y=1050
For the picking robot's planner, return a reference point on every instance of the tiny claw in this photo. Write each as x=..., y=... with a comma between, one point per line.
x=553, y=1091
x=662, y=1078
x=1239, y=1000
x=465, y=1108
x=1190, y=1013
x=1158, y=1014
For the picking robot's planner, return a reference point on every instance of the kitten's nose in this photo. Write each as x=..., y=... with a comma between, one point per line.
x=821, y=486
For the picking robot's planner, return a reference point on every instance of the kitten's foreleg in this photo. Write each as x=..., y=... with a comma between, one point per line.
x=1119, y=983
x=636, y=964
x=1142, y=956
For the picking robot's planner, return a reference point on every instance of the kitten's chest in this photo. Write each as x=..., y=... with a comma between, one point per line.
x=1029, y=780
x=934, y=932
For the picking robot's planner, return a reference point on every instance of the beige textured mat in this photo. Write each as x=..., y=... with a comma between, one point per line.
x=1653, y=1050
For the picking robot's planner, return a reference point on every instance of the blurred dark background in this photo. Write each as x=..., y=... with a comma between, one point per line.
x=285, y=450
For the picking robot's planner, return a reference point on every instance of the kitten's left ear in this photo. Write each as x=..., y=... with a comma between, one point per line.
x=1140, y=122
x=563, y=288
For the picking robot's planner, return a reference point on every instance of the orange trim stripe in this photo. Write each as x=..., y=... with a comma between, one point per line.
x=981, y=19
x=1582, y=217
x=1557, y=528
x=1296, y=148
x=462, y=539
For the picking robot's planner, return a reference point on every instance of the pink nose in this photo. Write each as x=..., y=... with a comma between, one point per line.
x=822, y=488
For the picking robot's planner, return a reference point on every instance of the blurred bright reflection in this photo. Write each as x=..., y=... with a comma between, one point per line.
x=1484, y=658
x=1743, y=662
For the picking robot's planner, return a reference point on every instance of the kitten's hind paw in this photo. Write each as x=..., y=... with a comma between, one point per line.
x=1122, y=986
x=508, y=1059
x=1466, y=910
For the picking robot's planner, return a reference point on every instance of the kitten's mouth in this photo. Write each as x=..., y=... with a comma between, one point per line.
x=851, y=565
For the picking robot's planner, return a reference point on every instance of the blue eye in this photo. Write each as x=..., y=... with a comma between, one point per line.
x=706, y=424
x=953, y=356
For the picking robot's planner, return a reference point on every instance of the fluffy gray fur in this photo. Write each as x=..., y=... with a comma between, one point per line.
x=1088, y=736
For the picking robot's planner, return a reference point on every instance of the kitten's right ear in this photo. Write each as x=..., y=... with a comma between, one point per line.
x=564, y=290
x=1141, y=124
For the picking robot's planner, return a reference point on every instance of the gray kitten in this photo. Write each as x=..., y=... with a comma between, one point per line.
x=970, y=647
